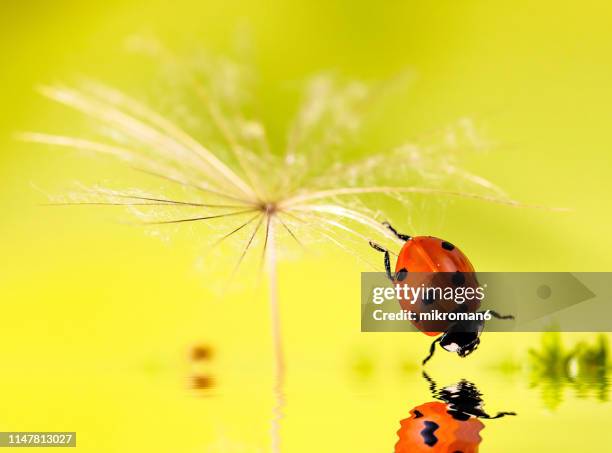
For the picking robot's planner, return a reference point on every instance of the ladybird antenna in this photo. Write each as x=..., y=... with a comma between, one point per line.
x=400, y=236
x=432, y=349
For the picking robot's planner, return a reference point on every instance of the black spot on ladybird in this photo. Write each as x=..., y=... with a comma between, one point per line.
x=417, y=414
x=447, y=246
x=458, y=278
x=428, y=299
x=460, y=309
x=401, y=275
x=428, y=433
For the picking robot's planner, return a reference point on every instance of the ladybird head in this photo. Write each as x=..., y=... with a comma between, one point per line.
x=462, y=337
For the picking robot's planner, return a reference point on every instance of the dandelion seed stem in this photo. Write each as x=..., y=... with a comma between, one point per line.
x=279, y=359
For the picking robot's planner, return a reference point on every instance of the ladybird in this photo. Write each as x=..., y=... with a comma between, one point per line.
x=428, y=261
x=450, y=424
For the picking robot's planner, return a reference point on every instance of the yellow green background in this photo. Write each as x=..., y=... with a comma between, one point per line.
x=98, y=318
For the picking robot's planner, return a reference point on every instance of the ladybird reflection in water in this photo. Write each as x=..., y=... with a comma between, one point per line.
x=451, y=424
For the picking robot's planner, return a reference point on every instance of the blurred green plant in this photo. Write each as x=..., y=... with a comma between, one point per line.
x=583, y=368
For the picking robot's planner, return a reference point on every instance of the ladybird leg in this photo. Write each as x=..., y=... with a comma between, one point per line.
x=432, y=349
x=432, y=384
x=501, y=414
x=498, y=316
x=403, y=237
x=377, y=247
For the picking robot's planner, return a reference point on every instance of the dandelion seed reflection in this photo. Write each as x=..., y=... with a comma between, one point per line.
x=201, y=356
x=201, y=352
x=202, y=382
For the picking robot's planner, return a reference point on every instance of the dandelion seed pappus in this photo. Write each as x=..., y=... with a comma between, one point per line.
x=249, y=190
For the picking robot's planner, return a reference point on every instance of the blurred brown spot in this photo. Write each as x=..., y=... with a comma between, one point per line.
x=201, y=352
x=202, y=382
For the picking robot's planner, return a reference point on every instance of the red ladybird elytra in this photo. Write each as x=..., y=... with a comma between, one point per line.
x=432, y=262
x=430, y=254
